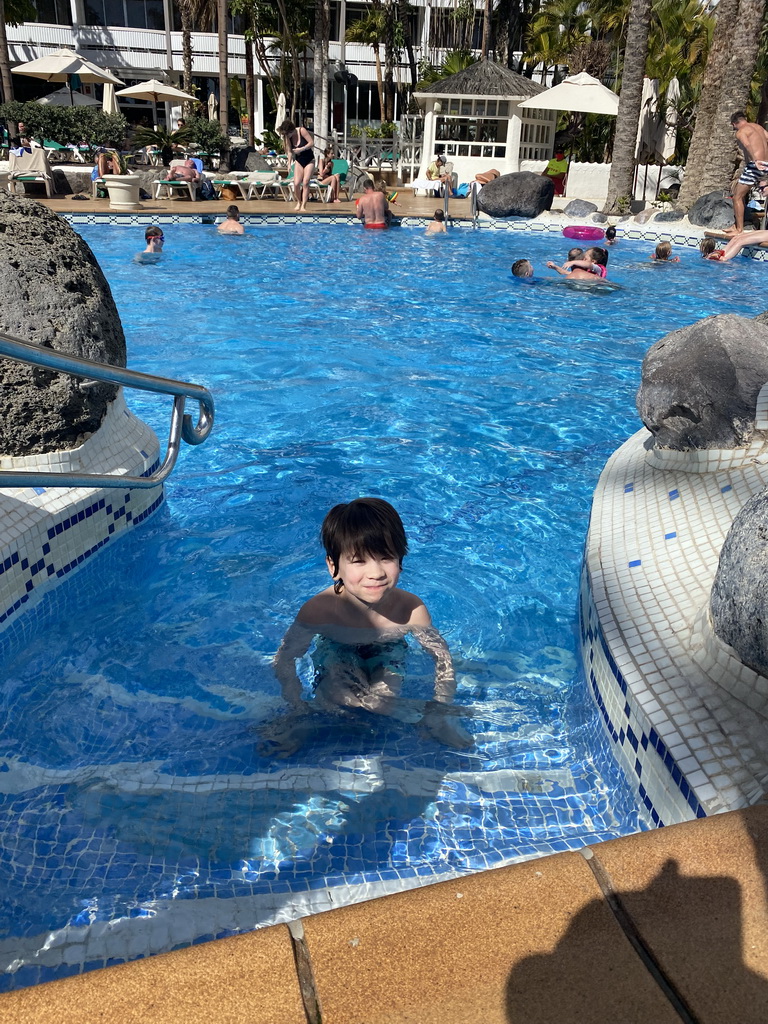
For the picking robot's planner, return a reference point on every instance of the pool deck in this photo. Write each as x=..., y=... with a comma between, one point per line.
x=662, y=926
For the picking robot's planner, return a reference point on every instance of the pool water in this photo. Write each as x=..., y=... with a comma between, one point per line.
x=342, y=363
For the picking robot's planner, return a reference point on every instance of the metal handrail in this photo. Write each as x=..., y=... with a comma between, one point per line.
x=473, y=204
x=445, y=205
x=182, y=426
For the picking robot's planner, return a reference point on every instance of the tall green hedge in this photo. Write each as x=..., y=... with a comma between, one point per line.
x=67, y=124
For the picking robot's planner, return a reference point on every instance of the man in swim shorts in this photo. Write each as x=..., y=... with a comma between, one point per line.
x=232, y=225
x=752, y=140
x=373, y=208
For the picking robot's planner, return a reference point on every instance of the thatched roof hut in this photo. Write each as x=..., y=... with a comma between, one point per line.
x=474, y=120
x=485, y=78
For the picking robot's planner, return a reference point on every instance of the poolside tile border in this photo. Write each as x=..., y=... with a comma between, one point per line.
x=653, y=665
x=47, y=533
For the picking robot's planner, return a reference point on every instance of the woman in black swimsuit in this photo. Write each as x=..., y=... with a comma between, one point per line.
x=299, y=145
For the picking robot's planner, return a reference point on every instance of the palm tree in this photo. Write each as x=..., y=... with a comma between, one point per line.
x=635, y=56
x=556, y=30
x=369, y=30
x=712, y=158
x=320, y=69
x=222, y=13
x=5, y=59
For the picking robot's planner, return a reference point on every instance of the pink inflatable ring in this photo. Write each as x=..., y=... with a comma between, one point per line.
x=584, y=233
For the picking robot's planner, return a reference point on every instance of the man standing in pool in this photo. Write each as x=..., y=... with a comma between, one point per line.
x=373, y=208
x=360, y=623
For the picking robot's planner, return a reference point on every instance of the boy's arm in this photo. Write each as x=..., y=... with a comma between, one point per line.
x=295, y=644
x=582, y=264
x=554, y=266
x=435, y=645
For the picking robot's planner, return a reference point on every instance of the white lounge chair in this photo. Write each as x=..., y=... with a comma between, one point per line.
x=31, y=168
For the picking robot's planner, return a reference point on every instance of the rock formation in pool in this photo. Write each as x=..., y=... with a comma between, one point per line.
x=700, y=384
x=739, y=600
x=52, y=292
x=521, y=194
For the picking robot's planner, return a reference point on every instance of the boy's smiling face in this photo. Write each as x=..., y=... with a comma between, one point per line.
x=367, y=577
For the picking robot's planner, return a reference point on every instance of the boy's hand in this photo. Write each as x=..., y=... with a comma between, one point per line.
x=445, y=728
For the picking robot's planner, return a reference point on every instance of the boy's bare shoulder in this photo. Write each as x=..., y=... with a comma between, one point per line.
x=319, y=609
x=412, y=610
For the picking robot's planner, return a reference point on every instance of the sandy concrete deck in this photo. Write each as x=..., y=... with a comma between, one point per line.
x=663, y=926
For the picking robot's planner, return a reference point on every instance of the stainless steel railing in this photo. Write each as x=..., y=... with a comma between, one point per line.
x=182, y=427
x=473, y=204
x=445, y=206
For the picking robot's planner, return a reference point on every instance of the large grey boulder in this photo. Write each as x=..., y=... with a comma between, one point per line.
x=739, y=599
x=712, y=211
x=52, y=292
x=669, y=215
x=521, y=194
x=579, y=208
x=700, y=384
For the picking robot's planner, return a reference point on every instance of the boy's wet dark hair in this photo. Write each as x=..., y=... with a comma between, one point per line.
x=610, y=232
x=599, y=255
x=575, y=252
x=365, y=526
x=439, y=215
x=233, y=211
x=522, y=268
x=152, y=232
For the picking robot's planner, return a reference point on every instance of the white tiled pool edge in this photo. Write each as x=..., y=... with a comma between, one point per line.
x=49, y=532
x=676, y=704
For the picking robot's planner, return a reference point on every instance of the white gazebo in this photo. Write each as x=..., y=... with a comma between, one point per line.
x=474, y=118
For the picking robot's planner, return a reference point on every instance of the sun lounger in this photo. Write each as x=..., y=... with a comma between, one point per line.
x=172, y=184
x=31, y=168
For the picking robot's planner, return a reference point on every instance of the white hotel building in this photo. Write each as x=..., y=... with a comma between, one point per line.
x=141, y=39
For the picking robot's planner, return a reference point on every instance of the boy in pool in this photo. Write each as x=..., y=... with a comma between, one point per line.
x=663, y=253
x=361, y=622
x=522, y=268
x=155, y=239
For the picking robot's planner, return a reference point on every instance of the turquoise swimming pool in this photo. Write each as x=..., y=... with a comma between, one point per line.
x=137, y=813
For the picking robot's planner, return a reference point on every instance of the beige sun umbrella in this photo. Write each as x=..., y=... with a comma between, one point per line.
x=213, y=106
x=63, y=98
x=109, y=103
x=581, y=93
x=156, y=92
x=62, y=65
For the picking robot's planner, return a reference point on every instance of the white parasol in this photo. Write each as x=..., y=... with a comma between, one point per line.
x=63, y=98
x=213, y=106
x=109, y=103
x=280, y=115
x=581, y=93
x=156, y=92
x=61, y=65
x=669, y=145
x=649, y=126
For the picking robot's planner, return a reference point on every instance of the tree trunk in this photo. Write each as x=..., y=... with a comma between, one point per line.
x=405, y=21
x=486, y=43
x=390, y=60
x=186, y=50
x=250, y=102
x=717, y=59
x=221, y=20
x=317, y=66
x=5, y=59
x=723, y=157
x=326, y=111
x=635, y=56
x=379, y=80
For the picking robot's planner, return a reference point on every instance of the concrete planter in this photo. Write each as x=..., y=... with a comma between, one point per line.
x=123, y=191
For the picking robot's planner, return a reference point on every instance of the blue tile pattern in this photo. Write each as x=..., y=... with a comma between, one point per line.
x=635, y=741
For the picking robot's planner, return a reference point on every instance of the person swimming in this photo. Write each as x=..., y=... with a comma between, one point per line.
x=154, y=239
x=359, y=624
